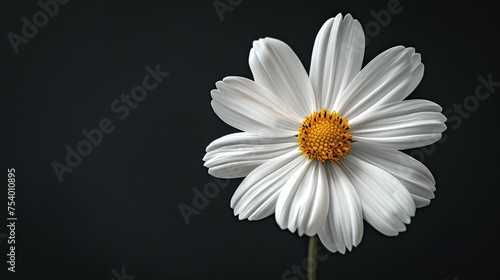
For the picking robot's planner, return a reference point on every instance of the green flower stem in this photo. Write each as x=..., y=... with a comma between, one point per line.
x=312, y=264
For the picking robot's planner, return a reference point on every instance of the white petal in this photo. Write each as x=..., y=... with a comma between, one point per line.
x=336, y=58
x=400, y=125
x=387, y=204
x=343, y=228
x=235, y=155
x=401, y=142
x=394, y=110
x=389, y=77
x=303, y=202
x=417, y=179
x=275, y=66
x=256, y=196
x=250, y=107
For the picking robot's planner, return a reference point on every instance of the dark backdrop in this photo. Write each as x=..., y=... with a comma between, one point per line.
x=117, y=213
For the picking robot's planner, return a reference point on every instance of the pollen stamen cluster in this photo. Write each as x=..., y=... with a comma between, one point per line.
x=325, y=136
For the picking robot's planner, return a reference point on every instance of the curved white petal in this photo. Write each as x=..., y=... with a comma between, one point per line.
x=275, y=66
x=387, y=204
x=336, y=58
x=303, y=201
x=343, y=228
x=394, y=110
x=235, y=155
x=414, y=175
x=389, y=77
x=256, y=196
x=250, y=107
x=400, y=125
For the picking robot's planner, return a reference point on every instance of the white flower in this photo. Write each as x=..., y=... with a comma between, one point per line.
x=322, y=151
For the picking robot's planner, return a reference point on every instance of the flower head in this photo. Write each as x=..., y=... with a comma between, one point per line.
x=322, y=151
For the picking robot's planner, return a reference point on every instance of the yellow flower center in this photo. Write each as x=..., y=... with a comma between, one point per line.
x=325, y=136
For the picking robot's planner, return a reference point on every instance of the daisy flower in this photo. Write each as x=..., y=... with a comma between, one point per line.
x=322, y=151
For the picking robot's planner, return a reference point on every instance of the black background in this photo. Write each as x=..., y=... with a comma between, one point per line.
x=119, y=207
